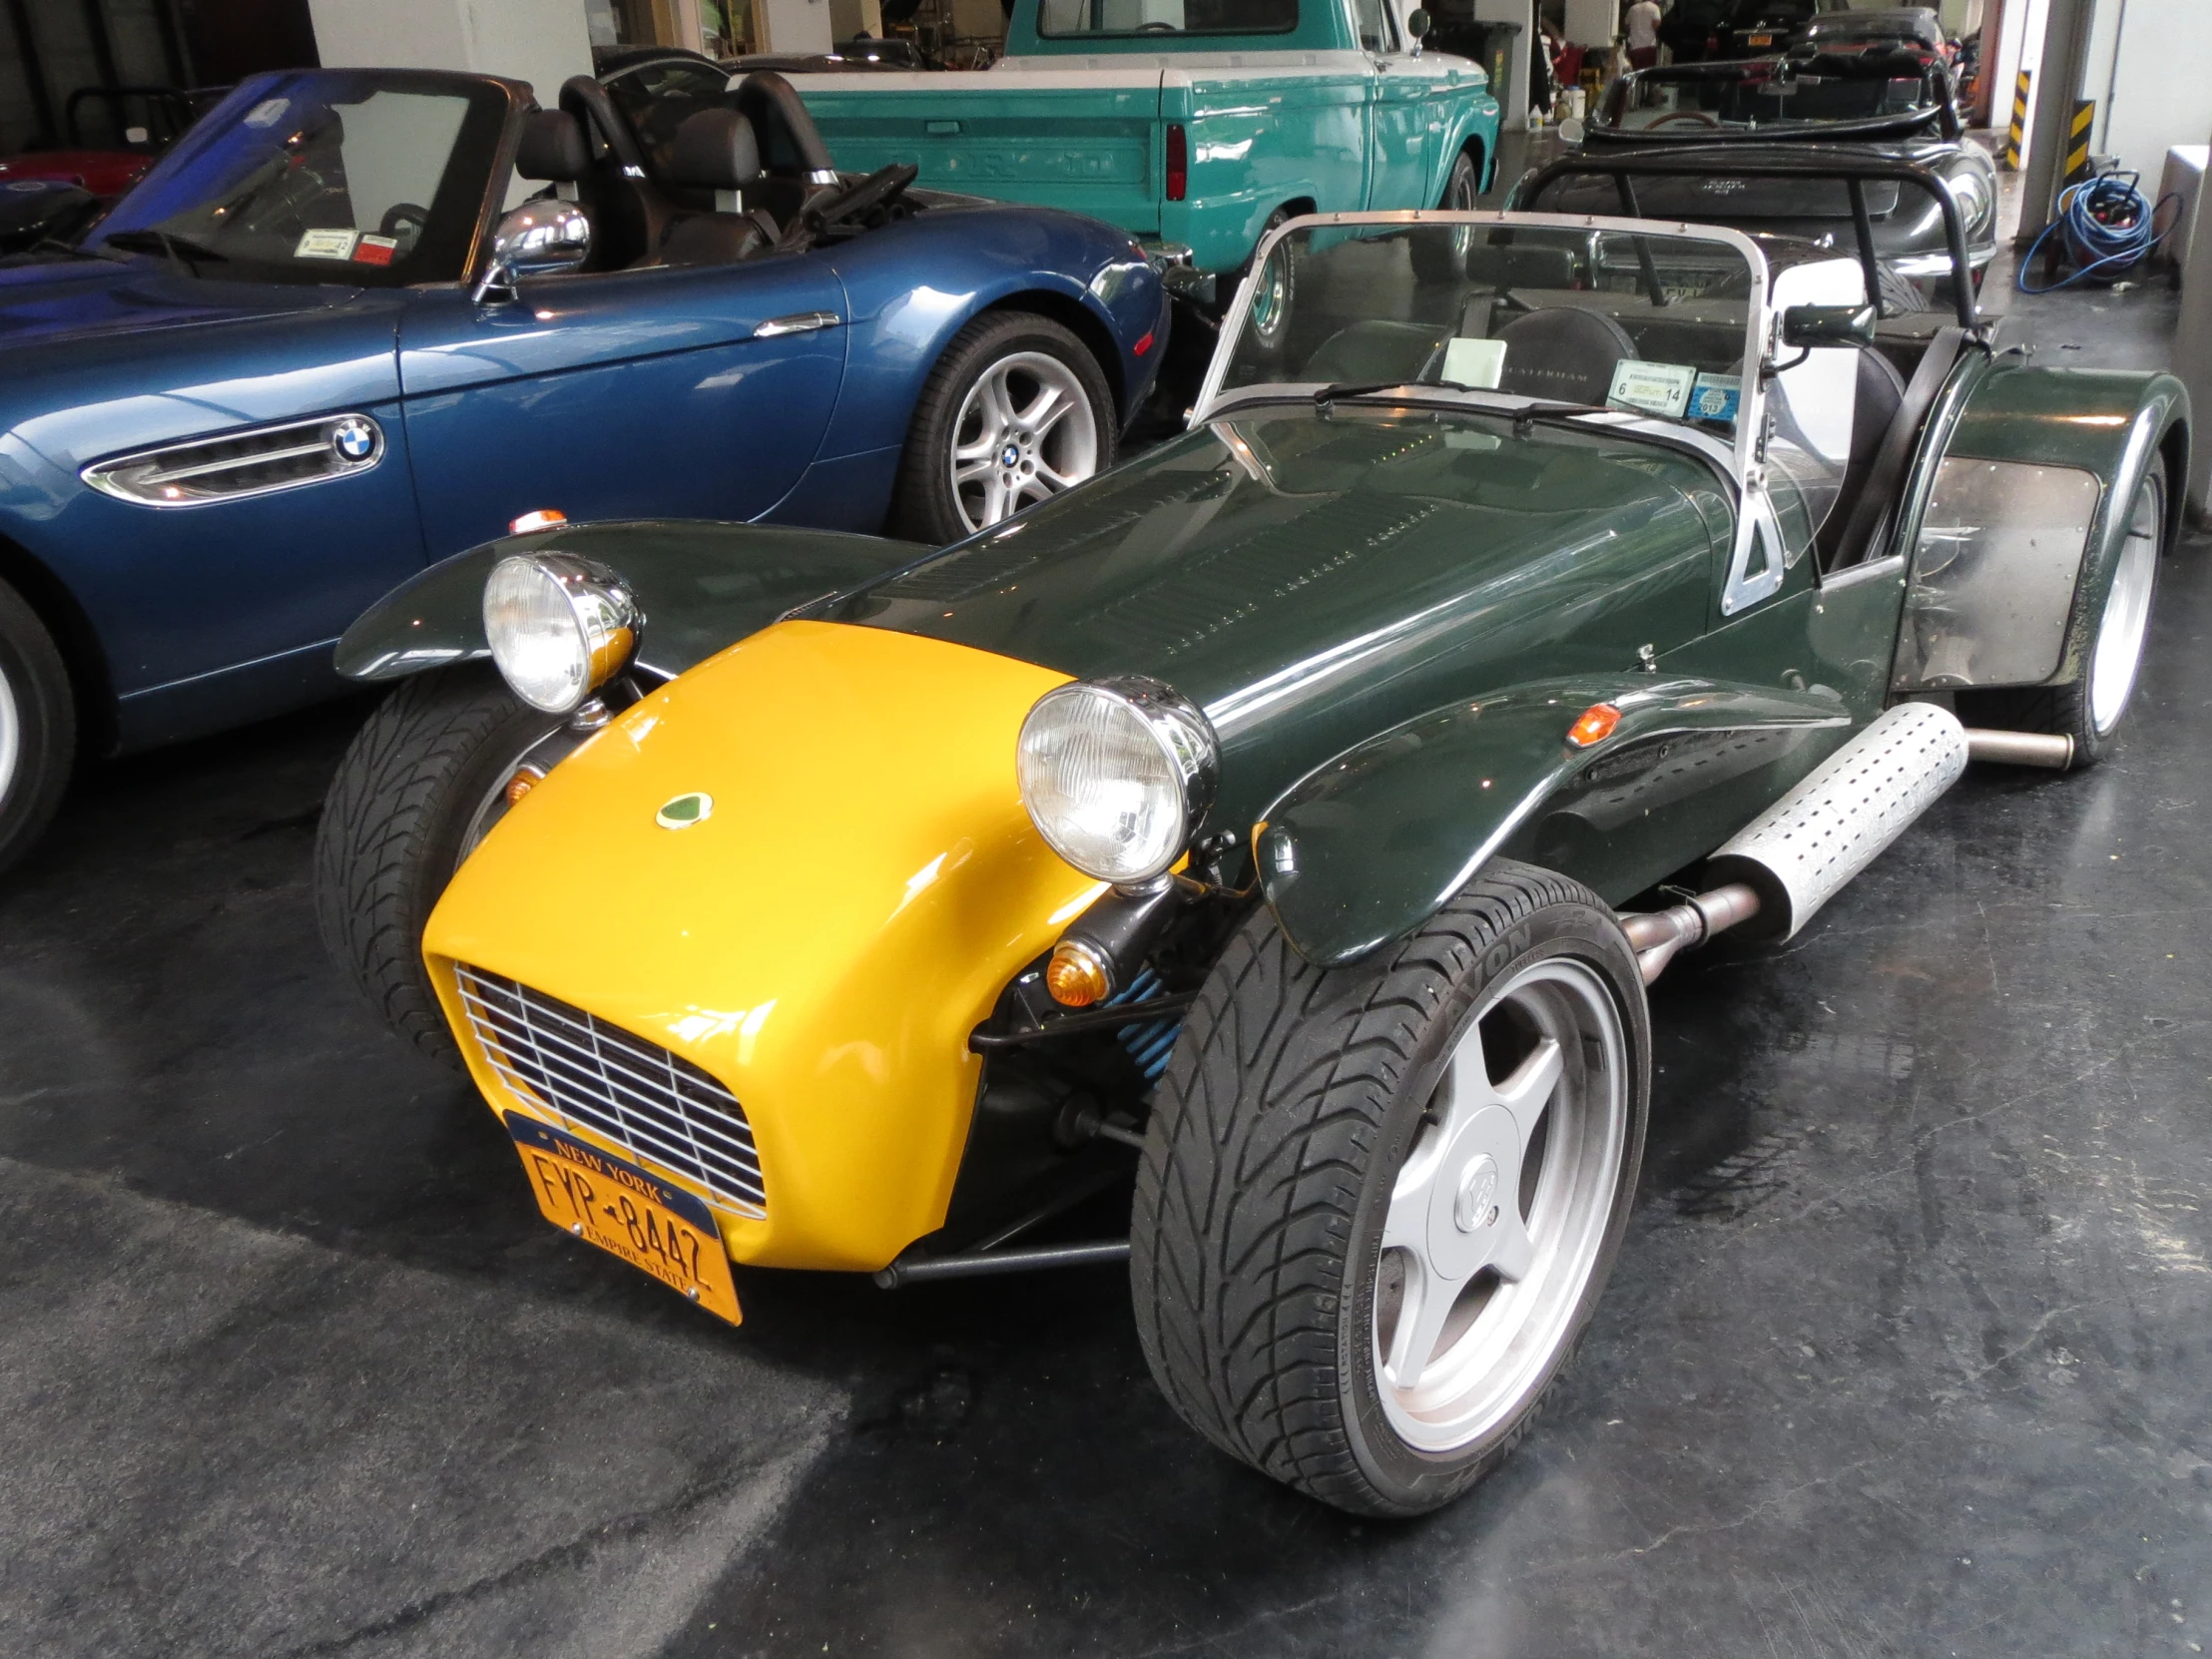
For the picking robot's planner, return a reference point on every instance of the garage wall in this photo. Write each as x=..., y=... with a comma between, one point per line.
x=2150, y=71
x=540, y=41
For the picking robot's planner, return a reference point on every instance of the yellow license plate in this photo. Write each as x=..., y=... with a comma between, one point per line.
x=1762, y=40
x=651, y=1224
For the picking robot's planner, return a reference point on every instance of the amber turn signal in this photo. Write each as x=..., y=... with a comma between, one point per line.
x=1076, y=976
x=542, y=519
x=1596, y=726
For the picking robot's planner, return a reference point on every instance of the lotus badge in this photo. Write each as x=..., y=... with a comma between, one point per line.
x=686, y=811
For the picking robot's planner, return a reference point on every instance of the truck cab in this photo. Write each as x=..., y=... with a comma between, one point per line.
x=1192, y=124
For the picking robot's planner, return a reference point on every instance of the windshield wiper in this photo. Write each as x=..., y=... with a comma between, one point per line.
x=1337, y=389
x=181, y=250
x=1525, y=417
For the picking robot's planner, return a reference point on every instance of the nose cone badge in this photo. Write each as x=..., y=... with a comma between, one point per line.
x=353, y=438
x=685, y=811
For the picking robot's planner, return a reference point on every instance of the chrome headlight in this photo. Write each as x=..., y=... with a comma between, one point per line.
x=560, y=627
x=1117, y=775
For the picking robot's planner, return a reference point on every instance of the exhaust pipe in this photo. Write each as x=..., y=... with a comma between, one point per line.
x=2020, y=749
x=1797, y=855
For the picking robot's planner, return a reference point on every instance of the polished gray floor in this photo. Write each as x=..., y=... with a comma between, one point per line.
x=1907, y=1353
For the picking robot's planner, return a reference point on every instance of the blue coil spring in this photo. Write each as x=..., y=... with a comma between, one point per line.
x=1151, y=1043
x=2108, y=226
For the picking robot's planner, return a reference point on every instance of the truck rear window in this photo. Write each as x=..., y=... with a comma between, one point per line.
x=1061, y=19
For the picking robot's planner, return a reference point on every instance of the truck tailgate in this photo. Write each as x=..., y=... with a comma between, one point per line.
x=1085, y=140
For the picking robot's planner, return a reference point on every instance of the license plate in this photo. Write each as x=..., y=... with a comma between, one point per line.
x=1762, y=40
x=651, y=1224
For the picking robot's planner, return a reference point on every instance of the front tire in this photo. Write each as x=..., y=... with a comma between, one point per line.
x=421, y=785
x=1016, y=410
x=2091, y=707
x=38, y=728
x=1439, y=258
x=1377, y=1204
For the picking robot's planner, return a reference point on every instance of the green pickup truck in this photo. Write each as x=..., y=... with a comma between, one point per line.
x=1191, y=123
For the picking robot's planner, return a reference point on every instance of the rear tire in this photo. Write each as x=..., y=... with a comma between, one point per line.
x=38, y=728
x=2091, y=707
x=1274, y=295
x=1307, y=1113
x=420, y=786
x=1016, y=410
x=1444, y=260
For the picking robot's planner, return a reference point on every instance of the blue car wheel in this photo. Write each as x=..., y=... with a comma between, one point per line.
x=38, y=727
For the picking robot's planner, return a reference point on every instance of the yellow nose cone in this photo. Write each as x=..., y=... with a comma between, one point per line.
x=805, y=867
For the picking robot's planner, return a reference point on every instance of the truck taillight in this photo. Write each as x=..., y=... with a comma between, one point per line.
x=1179, y=162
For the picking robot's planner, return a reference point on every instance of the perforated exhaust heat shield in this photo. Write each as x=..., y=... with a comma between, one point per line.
x=1804, y=848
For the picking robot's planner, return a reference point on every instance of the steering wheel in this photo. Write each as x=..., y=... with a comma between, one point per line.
x=405, y=221
x=1157, y=28
x=1698, y=115
x=870, y=193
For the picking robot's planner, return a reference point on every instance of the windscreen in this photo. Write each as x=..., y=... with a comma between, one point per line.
x=1779, y=95
x=1061, y=19
x=1654, y=324
x=360, y=177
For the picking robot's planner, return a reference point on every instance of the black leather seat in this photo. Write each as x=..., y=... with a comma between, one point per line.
x=552, y=148
x=1563, y=355
x=629, y=215
x=716, y=151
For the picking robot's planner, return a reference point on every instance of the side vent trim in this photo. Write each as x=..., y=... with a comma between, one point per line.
x=235, y=466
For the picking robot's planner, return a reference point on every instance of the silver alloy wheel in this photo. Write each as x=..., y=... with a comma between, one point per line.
x=11, y=736
x=1025, y=432
x=1271, y=299
x=2118, y=652
x=1498, y=1217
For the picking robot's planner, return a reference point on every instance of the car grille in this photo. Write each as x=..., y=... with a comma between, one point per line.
x=656, y=1106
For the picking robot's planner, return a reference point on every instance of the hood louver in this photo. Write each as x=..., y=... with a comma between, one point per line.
x=258, y=462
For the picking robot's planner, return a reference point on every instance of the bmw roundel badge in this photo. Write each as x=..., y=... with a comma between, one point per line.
x=353, y=438
x=686, y=811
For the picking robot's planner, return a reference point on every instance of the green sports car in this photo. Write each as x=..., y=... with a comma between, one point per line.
x=1286, y=823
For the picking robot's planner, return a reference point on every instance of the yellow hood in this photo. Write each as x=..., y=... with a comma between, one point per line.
x=822, y=941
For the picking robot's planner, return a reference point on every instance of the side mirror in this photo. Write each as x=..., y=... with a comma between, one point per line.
x=538, y=239
x=1572, y=132
x=1806, y=327
x=1418, y=24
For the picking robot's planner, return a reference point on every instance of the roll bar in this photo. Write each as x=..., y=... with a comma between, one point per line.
x=1810, y=162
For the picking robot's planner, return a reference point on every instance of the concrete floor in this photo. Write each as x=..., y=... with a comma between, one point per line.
x=1907, y=1352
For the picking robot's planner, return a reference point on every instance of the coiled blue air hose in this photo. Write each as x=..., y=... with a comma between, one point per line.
x=2107, y=225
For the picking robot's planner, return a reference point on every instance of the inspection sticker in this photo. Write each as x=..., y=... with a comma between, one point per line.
x=1652, y=388
x=326, y=245
x=1717, y=397
x=376, y=249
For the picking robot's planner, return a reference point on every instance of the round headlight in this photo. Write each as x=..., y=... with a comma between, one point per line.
x=560, y=627
x=1117, y=775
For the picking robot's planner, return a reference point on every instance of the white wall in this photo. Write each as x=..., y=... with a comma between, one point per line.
x=1593, y=22
x=2150, y=71
x=792, y=25
x=2022, y=44
x=540, y=41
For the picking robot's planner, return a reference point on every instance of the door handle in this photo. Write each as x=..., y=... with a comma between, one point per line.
x=798, y=323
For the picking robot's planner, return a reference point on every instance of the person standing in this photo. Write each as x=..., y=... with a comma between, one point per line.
x=1643, y=34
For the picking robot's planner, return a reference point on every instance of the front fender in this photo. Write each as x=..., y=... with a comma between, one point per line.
x=1368, y=846
x=2024, y=521
x=701, y=587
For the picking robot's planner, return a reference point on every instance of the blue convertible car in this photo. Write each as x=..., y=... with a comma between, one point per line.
x=314, y=351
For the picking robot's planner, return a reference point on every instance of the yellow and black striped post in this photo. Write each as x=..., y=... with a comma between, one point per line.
x=2077, y=142
x=2018, y=137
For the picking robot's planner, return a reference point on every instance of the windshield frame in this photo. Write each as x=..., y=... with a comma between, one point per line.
x=490, y=188
x=1942, y=114
x=1739, y=457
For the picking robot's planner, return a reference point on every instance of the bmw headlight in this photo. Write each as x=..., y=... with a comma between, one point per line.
x=1117, y=775
x=560, y=627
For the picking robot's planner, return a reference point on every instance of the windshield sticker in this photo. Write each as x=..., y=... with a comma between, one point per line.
x=1717, y=397
x=326, y=245
x=1474, y=362
x=376, y=249
x=267, y=112
x=1652, y=388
